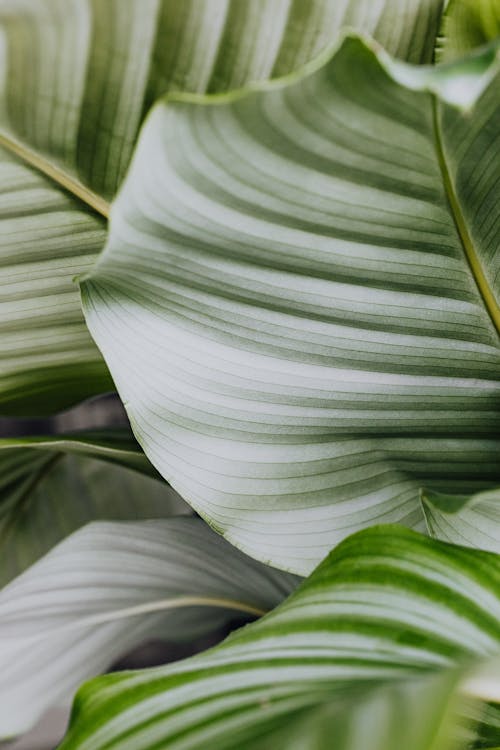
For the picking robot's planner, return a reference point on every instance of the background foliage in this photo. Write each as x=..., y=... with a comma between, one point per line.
x=296, y=299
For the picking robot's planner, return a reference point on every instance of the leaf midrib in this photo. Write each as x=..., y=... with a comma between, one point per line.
x=159, y=605
x=467, y=242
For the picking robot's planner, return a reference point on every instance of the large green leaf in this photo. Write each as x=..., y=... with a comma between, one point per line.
x=51, y=486
x=386, y=608
x=48, y=357
x=296, y=301
x=109, y=587
x=79, y=77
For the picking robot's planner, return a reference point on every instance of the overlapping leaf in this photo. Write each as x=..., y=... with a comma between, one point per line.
x=473, y=521
x=343, y=654
x=49, y=487
x=467, y=24
x=297, y=299
x=110, y=61
x=78, y=76
x=109, y=587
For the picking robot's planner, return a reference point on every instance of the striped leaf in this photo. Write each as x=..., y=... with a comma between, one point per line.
x=473, y=521
x=345, y=654
x=298, y=300
x=107, y=588
x=83, y=103
x=49, y=360
x=467, y=24
x=49, y=487
x=79, y=77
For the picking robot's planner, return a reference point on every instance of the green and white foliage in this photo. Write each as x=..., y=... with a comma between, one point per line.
x=111, y=60
x=299, y=297
x=109, y=587
x=366, y=653
x=467, y=24
x=473, y=521
x=78, y=77
x=49, y=487
x=299, y=305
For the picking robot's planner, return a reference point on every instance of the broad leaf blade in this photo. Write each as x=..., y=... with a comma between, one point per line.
x=52, y=486
x=109, y=587
x=49, y=360
x=288, y=308
x=422, y=714
x=110, y=61
x=80, y=75
x=385, y=608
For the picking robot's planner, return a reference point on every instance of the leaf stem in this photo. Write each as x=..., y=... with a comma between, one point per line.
x=58, y=175
x=461, y=226
x=159, y=605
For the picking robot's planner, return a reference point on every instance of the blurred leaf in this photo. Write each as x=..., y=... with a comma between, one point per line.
x=467, y=24
x=339, y=664
x=109, y=587
x=50, y=486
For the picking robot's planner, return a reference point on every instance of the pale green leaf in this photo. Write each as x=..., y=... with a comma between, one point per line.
x=467, y=24
x=78, y=77
x=49, y=360
x=297, y=297
x=51, y=486
x=386, y=608
x=471, y=520
x=109, y=61
x=109, y=587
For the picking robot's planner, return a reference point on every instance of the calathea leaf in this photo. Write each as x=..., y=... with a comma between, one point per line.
x=82, y=104
x=467, y=24
x=344, y=654
x=109, y=587
x=49, y=360
x=78, y=77
x=470, y=520
x=298, y=298
x=51, y=486
x=417, y=715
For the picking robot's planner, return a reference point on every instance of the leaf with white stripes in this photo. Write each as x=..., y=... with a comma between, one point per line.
x=343, y=653
x=51, y=486
x=49, y=360
x=473, y=521
x=109, y=61
x=109, y=587
x=78, y=77
x=298, y=295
